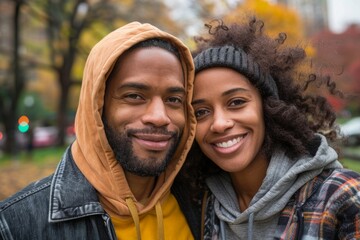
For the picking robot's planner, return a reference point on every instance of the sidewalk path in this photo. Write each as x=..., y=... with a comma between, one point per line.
x=15, y=176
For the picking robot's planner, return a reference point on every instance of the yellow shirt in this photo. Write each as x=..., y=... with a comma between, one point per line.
x=175, y=225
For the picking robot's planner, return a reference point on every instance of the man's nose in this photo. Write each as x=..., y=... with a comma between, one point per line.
x=156, y=113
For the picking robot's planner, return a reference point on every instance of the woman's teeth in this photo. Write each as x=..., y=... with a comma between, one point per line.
x=228, y=143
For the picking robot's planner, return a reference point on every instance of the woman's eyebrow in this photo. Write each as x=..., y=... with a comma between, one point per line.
x=234, y=90
x=198, y=101
x=228, y=92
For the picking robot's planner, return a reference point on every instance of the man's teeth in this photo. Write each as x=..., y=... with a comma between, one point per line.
x=228, y=143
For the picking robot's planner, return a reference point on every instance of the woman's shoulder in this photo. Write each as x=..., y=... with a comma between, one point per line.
x=334, y=184
x=341, y=176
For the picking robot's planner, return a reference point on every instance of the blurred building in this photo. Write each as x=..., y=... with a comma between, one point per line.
x=313, y=13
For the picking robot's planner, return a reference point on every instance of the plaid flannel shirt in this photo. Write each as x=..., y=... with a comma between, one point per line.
x=328, y=207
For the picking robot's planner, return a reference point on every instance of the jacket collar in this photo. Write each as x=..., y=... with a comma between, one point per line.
x=71, y=195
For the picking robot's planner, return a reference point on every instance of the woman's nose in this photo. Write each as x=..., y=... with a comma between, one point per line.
x=221, y=123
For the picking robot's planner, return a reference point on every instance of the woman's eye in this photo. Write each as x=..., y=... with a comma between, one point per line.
x=200, y=113
x=236, y=102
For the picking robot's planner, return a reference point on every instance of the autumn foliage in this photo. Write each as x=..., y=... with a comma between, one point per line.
x=338, y=56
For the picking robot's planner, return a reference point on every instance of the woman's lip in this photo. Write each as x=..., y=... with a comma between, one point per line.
x=229, y=145
x=227, y=139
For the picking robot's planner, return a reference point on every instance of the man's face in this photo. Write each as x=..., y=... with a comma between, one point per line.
x=144, y=110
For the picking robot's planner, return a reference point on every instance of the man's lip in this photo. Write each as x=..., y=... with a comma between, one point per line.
x=153, y=137
x=153, y=142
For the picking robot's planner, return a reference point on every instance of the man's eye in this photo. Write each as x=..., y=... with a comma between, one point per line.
x=176, y=100
x=199, y=113
x=133, y=96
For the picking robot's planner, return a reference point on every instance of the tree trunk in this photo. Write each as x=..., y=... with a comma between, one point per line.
x=64, y=74
x=17, y=87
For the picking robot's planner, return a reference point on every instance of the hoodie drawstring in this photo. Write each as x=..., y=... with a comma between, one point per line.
x=135, y=215
x=160, y=223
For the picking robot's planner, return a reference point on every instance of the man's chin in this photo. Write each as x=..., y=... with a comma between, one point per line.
x=146, y=172
x=152, y=157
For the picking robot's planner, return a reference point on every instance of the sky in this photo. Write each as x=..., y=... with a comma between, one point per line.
x=341, y=13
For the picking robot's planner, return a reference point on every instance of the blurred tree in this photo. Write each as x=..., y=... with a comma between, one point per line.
x=11, y=90
x=277, y=18
x=66, y=21
x=31, y=105
x=57, y=37
x=354, y=74
x=338, y=56
x=73, y=27
x=155, y=12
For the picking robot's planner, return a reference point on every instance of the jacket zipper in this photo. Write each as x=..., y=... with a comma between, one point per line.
x=109, y=227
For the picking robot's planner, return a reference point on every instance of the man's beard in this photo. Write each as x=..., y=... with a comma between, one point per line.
x=121, y=144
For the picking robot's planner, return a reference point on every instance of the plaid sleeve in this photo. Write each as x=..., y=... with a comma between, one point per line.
x=346, y=202
x=330, y=208
x=333, y=211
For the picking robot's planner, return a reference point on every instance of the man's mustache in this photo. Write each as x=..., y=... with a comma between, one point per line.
x=158, y=131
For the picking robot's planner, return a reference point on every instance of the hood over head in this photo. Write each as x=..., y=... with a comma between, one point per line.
x=91, y=150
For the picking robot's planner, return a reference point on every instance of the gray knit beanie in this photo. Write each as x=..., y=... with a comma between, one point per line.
x=237, y=59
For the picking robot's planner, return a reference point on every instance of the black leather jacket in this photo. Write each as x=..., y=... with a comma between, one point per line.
x=65, y=206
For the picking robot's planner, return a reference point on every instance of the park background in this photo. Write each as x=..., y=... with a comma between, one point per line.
x=44, y=45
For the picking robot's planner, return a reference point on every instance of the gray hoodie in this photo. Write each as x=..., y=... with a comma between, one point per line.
x=283, y=178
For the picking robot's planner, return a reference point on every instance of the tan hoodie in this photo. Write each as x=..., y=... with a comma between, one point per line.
x=91, y=150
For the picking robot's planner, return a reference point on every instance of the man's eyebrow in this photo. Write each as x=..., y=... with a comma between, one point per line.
x=134, y=85
x=142, y=86
x=228, y=92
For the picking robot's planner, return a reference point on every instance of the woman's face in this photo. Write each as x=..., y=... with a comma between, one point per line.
x=230, y=124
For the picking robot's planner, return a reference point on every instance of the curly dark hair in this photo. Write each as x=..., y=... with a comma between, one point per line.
x=291, y=121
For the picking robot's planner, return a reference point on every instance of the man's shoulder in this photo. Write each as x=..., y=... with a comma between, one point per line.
x=29, y=196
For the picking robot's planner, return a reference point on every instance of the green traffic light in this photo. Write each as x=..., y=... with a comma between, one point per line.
x=23, y=127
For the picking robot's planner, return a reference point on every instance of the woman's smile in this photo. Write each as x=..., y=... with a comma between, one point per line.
x=229, y=146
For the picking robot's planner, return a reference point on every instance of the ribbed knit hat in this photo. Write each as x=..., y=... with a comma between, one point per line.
x=237, y=59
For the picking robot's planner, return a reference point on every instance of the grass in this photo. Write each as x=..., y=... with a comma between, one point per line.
x=38, y=156
x=54, y=154
x=351, y=164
